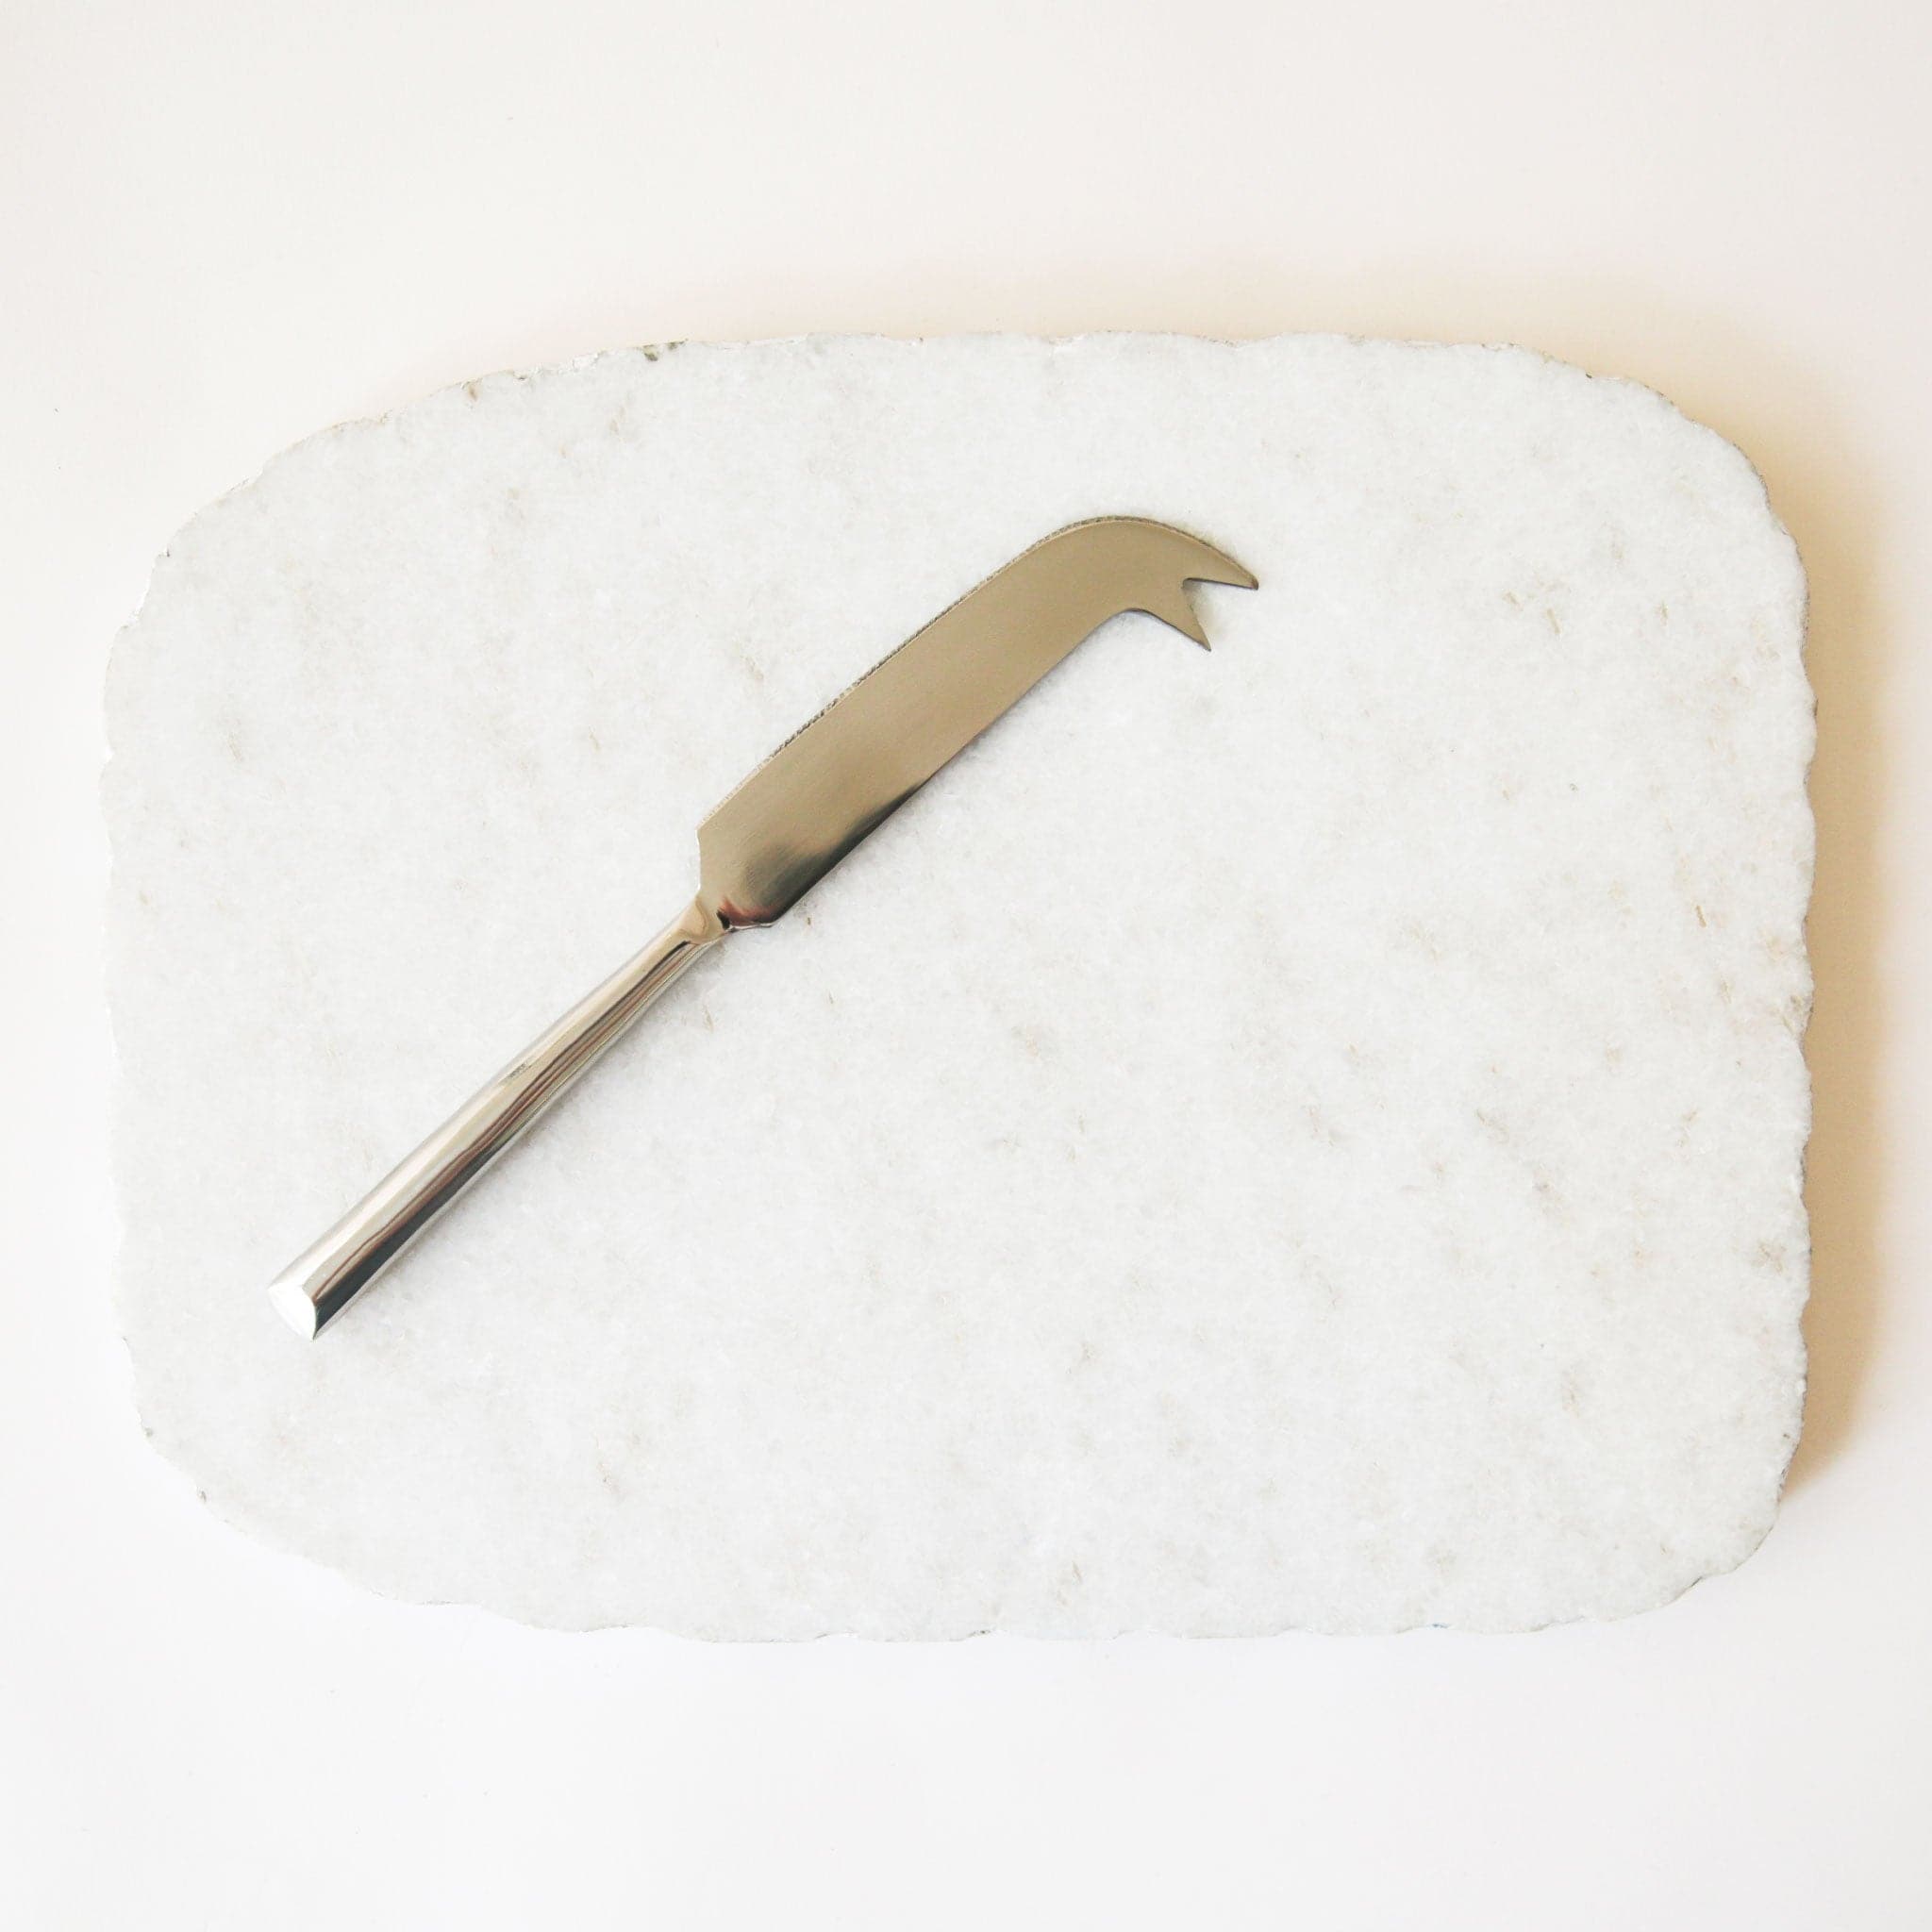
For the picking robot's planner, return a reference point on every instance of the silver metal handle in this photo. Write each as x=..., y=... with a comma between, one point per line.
x=316, y=1287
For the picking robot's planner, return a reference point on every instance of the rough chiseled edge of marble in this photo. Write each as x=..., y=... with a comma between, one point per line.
x=388, y=422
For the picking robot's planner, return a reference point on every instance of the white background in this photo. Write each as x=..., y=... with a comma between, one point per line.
x=224, y=226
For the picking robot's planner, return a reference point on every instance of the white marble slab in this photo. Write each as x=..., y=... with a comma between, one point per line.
x=1304, y=1135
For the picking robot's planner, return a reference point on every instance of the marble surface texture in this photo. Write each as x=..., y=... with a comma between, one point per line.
x=1304, y=1135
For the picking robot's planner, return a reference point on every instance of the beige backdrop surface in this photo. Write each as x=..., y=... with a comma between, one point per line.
x=225, y=225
